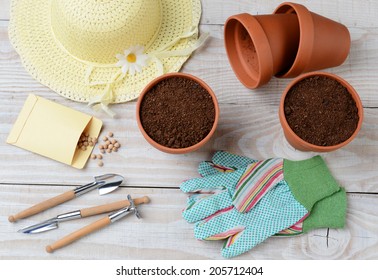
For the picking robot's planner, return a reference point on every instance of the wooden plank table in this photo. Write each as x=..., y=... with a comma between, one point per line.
x=248, y=125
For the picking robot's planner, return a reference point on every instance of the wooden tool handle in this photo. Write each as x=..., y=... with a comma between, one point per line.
x=78, y=234
x=43, y=206
x=112, y=206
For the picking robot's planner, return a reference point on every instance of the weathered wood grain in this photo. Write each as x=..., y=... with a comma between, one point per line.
x=248, y=125
x=163, y=234
x=246, y=130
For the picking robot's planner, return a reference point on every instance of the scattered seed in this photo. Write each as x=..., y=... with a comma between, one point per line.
x=108, y=145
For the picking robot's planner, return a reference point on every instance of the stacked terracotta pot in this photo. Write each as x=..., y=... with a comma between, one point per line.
x=290, y=42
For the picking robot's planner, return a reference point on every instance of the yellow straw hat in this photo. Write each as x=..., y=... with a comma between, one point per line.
x=103, y=51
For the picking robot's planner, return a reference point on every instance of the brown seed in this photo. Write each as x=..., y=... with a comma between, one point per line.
x=105, y=147
x=93, y=156
x=108, y=151
x=101, y=147
x=99, y=156
x=110, y=146
x=115, y=149
x=83, y=148
x=117, y=145
x=113, y=141
x=85, y=144
x=107, y=142
x=91, y=144
x=105, y=138
x=100, y=163
x=110, y=134
x=102, y=151
x=86, y=134
x=95, y=140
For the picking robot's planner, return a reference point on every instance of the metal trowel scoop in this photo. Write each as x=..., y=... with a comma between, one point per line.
x=105, y=184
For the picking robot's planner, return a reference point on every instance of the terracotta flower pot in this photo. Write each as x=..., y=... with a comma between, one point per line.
x=323, y=43
x=259, y=47
x=298, y=142
x=167, y=149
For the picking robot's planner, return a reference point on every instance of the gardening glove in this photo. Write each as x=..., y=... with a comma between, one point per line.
x=329, y=212
x=252, y=203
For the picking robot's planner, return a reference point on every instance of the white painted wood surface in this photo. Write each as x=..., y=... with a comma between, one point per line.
x=248, y=125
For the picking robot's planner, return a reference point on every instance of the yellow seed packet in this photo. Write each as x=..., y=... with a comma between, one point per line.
x=53, y=130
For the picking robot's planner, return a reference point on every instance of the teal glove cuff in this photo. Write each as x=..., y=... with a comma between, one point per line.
x=310, y=180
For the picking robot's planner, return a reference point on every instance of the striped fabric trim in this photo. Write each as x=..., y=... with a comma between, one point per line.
x=229, y=233
x=219, y=212
x=221, y=168
x=232, y=239
x=295, y=229
x=256, y=181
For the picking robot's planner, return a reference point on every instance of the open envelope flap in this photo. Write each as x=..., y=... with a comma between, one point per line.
x=48, y=128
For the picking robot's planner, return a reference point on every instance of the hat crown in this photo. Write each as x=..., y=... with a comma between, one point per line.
x=96, y=30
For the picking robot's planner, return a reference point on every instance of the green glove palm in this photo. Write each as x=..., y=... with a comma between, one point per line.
x=254, y=202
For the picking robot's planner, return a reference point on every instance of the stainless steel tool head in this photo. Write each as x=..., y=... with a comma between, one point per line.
x=108, y=183
x=41, y=227
x=133, y=207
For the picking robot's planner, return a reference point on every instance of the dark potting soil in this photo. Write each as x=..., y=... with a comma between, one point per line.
x=321, y=111
x=177, y=112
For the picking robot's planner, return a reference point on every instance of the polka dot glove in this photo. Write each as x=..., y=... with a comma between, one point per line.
x=247, y=204
x=329, y=212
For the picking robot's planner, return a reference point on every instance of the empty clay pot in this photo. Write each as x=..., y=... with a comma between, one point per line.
x=297, y=142
x=323, y=43
x=259, y=47
x=167, y=104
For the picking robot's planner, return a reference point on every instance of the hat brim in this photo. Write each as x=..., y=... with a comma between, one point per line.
x=31, y=35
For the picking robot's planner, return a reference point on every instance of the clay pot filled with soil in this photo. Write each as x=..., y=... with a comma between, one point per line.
x=177, y=113
x=320, y=112
x=290, y=42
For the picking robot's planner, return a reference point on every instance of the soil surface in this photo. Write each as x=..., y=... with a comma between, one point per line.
x=177, y=112
x=321, y=111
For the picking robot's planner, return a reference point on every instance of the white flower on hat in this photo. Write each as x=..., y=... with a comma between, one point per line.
x=132, y=60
